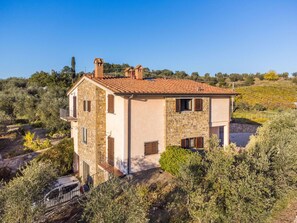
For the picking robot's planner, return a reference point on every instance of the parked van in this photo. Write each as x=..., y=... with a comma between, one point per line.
x=65, y=189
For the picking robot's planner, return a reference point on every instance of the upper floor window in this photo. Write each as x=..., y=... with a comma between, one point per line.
x=186, y=105
x=110, y=103
x=190, y=143
x=87, y=105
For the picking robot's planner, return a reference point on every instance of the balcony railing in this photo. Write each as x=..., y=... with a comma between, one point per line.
x=67, y=116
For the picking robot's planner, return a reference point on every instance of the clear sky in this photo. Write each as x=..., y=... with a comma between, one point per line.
x=204, y=36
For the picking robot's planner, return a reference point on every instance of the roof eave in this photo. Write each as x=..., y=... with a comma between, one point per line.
x=175, y=95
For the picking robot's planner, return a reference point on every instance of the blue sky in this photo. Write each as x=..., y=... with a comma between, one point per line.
x=204, y=36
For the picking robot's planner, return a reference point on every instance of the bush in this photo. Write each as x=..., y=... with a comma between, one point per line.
x=294, y=80
x=259, y=107
x=61, y=156
x=174, y=157
x=116, y=201
x=31, y=143
x=271, y=76
x=242, y=106
x=17, y=196
x=6, y=173
x=227, y=186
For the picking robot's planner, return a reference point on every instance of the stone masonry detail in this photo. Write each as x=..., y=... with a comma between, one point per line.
x=186, y=124
x=95, y=123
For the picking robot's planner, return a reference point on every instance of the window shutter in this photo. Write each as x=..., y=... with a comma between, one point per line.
x=199, y=142
x=198, y=104
x=89, y=106
x=110, y=99
x=178, y=105
x=110, y=151
x=151, y=148
x=184, y=143
x=85, y=106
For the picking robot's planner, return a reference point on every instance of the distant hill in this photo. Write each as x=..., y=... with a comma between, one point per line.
x=268, y=95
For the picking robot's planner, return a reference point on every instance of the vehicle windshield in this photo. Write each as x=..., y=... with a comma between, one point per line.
x=53, y=194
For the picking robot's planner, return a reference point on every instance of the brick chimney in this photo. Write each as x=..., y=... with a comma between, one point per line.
x=139, y=72
x=98, y=68
x=127, y=72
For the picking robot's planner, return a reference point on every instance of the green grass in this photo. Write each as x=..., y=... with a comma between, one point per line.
x=253, y=117
x=273, y=95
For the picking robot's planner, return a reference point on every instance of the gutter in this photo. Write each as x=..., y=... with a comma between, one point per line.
x=129, y=135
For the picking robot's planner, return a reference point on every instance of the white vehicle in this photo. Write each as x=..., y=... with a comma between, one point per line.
x=65, y=189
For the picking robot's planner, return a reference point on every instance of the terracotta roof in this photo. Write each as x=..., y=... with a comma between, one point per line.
x=159, y=86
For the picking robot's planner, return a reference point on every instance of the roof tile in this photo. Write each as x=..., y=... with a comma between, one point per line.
x=125, y=85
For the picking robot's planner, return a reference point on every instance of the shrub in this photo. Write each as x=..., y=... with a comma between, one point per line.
x=271, y=76
x=6, y=173
x=243, y=106
x=259, y=107
x=61, y=156
x=227, y=186
x=174, y=157
x=31, y=143
x=116, y=201
x=18, y=195
x=249, y=80
x=294, y=80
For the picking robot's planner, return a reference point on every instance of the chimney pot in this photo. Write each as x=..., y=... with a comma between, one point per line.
x=98, y=67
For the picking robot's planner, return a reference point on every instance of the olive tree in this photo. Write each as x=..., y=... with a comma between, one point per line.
x=18, y=195
x=116, y=201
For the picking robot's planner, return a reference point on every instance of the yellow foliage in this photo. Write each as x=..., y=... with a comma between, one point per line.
x=35, y=144
x=271, y=76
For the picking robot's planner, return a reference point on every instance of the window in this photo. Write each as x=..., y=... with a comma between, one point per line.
x=110, y=108
x=87, y=105
x=151, y=148
x=86, y=171
x=85, y=135
x=69, y=188
x=53, y=194
x=74, y=106
x=183, y=105
x=186, y=105
x=190, y=143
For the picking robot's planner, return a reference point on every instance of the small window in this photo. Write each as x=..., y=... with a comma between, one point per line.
x=191, y=143
x=151, y=148
x=87, y=105
x=69, y=188
x=110, y=108
x=183, y=105
x=85, y=135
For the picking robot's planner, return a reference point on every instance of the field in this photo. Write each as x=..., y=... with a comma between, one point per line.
x=264, y=100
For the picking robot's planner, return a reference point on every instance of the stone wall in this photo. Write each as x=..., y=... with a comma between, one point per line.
x=95, y=122
x=186, y=124
x=243, y=128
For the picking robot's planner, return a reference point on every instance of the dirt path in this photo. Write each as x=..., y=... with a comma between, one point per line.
x=288, y=215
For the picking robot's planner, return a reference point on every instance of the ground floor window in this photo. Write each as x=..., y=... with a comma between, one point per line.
x=151, y=148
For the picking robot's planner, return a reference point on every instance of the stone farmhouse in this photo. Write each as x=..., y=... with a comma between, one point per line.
x=121, y=125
